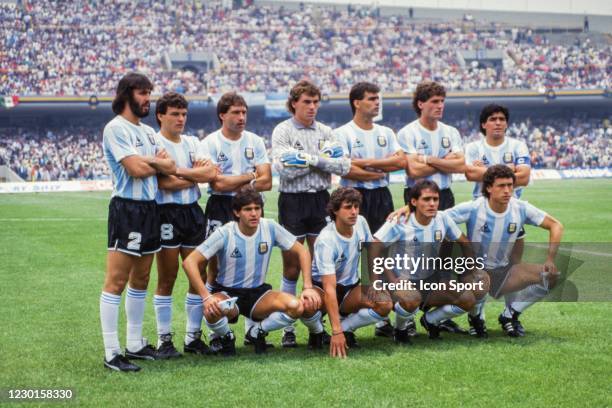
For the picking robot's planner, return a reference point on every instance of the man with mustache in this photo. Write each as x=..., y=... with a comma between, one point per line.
x=135, y=157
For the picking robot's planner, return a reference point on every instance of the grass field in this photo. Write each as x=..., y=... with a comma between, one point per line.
x=53, y=251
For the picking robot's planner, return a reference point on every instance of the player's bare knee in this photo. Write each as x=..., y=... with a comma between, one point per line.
x=383, y=308
x=410, y=304
x=466, y=301
x=295, y=308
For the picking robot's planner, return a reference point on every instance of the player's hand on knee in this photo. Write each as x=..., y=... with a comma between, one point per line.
x=212, y=308
x=311, y=300
x=550, y=267
x=337, y=345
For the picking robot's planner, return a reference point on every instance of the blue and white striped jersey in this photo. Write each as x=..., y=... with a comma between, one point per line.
x=335, y=254
x=512, y=151
x=235, y=157
x=415, y=139
x=417, y=240
x=378, y=143
x=243, y=260
x=122, y=139
x=495, y=232
x=184, y=153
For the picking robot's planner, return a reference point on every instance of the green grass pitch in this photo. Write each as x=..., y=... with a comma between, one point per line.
x=53, y=253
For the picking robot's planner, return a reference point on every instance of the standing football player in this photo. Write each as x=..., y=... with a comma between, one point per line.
x=183, y=226
x=135, y=156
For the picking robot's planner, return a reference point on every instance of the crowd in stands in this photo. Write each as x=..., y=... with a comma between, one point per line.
x=83, y=48
x=76, y=153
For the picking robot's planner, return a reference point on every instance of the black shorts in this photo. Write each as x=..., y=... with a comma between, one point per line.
x=218, y=212
x=182, y=225
x=133, y=226
x=498, y=277
x=447, y=198
x=376, y=205
x=247, y=297
x=303, y=213
x=341, y=293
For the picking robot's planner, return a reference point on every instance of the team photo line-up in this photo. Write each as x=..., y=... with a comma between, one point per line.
x=225, y=250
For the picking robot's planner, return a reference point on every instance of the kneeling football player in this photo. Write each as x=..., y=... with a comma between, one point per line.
x=422, y=235
x=335, y=271
x=243, y=248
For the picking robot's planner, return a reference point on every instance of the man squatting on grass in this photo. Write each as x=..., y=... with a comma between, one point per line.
x=494, y=223
x=243, y=248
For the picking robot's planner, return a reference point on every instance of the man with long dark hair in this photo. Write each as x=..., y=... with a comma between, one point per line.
x=135, y=157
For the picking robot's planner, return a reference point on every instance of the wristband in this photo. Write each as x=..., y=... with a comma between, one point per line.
x=337, y=333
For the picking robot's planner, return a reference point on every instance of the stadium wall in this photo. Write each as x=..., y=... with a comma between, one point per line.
x=396, y=178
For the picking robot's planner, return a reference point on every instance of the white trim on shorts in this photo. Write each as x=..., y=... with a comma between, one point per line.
x=256, y=302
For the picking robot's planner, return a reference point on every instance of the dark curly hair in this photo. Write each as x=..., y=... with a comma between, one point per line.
x=493, y=173
x=340, y=195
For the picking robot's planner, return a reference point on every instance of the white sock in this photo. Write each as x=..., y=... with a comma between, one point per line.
x=163, y=314
x=313, y=323
x=403, y=316
x=478, y=309
x=247, y=324
x=220, y=328
x=109, y=316
x=383, y=322
x=528, y=296
x=275, y=321
x=134, y=310
x=193, y=310
x=288, y=286
x=443, y=313
x=362, y=318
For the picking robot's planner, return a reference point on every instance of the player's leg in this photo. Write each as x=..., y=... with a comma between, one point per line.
x=294, y=221
x=118, y=266
x=135, y=303
x=448, y=305
x=525, y=285
x=272, y=311
x=312, y=319
x=376, y=205
x=406, y=306
x=194, y=312
x=167, y=270
x=220, y=326
x=476, y=315
x=361, y=311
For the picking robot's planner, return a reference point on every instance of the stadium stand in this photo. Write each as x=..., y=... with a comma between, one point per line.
x=76, y=153
x=65, y=48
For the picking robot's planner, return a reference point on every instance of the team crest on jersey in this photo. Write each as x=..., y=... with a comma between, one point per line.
x=138, y=142
x=221, y=157
x=485, y=161
x=358, y=143
x=512, y=228
x=507, y=157
x=438, y=235
x=381, y=140
x=236, y=253
x=263, y=247
x=445, y=142
x=249, y=153
x=485, y=228
x=151, y=138
x=298, y=146
x=321, y=144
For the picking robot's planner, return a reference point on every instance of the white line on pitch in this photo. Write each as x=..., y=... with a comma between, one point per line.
x=50, y=219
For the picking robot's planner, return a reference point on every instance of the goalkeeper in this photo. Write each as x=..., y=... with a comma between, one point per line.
x=305, y=154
